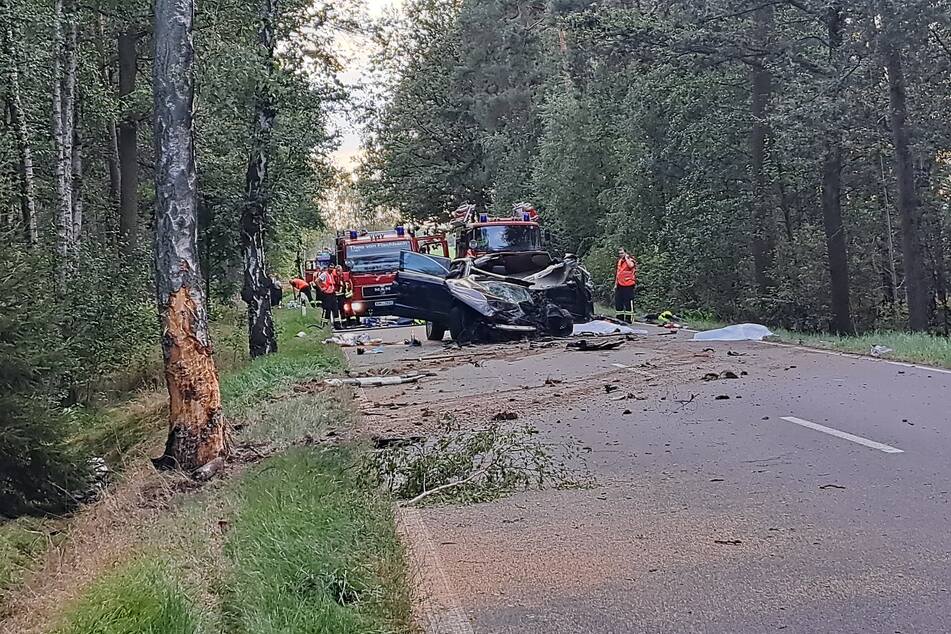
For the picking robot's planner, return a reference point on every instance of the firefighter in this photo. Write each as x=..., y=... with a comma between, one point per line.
x=328, y=282
x=340, y=293
x=625, y=286
x=302, y=290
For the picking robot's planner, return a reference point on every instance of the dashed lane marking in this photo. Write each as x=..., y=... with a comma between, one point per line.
x=841, y=434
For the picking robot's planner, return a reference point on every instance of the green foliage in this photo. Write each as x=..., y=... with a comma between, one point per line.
x=38, y=469
x=139, y=598
x=475, y=465
x=632, y=124
x=313, y=550
x=300, y=360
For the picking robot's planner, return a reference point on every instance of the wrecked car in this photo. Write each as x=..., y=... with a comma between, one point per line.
x=564, y=283
x=475, y=304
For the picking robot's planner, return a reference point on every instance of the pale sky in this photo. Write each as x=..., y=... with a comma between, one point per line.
x=356, y=54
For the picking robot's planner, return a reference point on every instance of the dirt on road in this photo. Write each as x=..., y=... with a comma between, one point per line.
x=740, y=488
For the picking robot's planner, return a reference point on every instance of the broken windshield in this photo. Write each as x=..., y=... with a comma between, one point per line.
x=376, y=257
x=508, y=238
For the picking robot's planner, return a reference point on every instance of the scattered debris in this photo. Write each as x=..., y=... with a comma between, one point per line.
x=604, y=327
x=352, y=341
x=301, y=334
x=734, y=353
x=506, y=416
x=880, y=351
x=385, y=442
x=713, y=376
x=832, y=486
x=413, y=342
x=588, y=346
x=722, y=397
x=551, y=381
x=728, y=542
x=740, y=332
x=375, y=381
x=610, y=388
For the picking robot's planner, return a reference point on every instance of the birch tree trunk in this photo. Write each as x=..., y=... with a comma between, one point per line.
x=76, y=174
x=197, y=429
x=18, y=120
x=256, y=290
x=64, y=214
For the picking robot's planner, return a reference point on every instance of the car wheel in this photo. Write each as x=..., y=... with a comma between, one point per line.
x=435, y=331
x=460, y=324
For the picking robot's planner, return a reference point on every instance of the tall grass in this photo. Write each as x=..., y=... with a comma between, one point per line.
x=139, y=598
x=313, y=550
x=299, y=359
x=914, y=347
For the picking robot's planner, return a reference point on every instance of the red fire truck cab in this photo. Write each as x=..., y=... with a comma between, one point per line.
x=478, y=235
x=372, y=260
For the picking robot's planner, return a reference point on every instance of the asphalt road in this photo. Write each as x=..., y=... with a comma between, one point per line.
x=815, y=498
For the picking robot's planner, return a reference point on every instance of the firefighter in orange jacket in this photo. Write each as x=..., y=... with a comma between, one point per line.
x=625, y=286
x=328, y=285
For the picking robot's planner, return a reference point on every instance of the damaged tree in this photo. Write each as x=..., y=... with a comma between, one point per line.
x=256, y=291
x=197, y=431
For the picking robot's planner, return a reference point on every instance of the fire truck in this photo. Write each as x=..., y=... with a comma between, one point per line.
x=371, y=259
x=481, y=234
x=513, y=247
x=311, y=267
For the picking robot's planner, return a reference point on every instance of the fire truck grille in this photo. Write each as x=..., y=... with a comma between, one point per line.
x=374, y=292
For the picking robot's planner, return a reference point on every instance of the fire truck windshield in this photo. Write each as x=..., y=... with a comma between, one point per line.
x=513, y=238
x=376, y=257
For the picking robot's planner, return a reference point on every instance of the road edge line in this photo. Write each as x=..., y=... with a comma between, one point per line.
x=439, y=617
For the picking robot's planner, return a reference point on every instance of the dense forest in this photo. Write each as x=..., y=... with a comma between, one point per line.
x=784, y=161
x=78, y=193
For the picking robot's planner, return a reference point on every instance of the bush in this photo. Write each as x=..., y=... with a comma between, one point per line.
x=37, y=466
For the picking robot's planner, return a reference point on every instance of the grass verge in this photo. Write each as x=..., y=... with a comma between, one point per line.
x=300, y=542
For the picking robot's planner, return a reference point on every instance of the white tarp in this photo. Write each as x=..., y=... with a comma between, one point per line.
x=601, y=327
x=740, y=332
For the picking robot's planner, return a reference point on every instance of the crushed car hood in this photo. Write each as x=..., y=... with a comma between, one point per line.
x=565, y=283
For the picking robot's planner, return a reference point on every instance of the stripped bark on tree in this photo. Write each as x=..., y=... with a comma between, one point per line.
x=197, y=428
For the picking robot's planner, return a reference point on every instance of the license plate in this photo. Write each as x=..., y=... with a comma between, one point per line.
x=381, y=304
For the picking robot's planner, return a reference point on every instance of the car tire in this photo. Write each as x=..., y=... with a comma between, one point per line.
x=435, y=331
x=460, y=324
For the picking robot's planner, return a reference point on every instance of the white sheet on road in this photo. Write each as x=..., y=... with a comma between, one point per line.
x=740, y=332
x=601, y=327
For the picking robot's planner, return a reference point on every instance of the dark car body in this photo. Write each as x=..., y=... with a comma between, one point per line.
x=473, y=303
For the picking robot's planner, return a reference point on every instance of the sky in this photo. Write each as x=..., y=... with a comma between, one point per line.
x=355, y=52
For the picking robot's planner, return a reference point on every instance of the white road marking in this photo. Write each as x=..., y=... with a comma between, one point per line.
x=439, y=607
x=852, y=355
x=841, y=434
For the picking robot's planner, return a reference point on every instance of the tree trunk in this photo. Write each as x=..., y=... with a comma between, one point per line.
x=112, y=153
x=197, y=428
x=256, y=291
x=21, y=129
x=63, y=64
x=128, y=145
x=761, y=88
x=832, y=195
x=909, y=205
x=76, y=173
x=835, y=239
x=892, y=285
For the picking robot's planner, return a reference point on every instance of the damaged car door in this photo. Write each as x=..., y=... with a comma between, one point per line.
x=421, y=291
